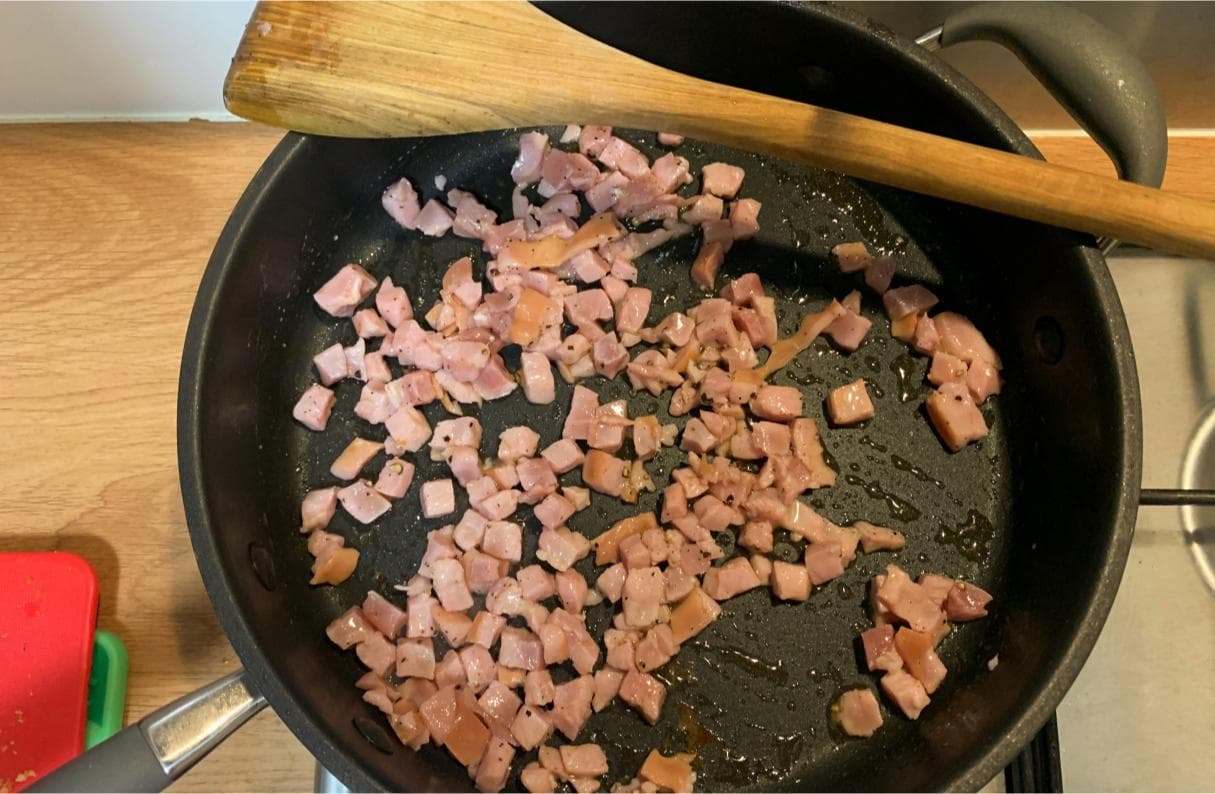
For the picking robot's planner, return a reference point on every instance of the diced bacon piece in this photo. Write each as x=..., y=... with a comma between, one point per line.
x=536, y=478
x=538, y=385
x=809, y=450
x=562, y=171
x=386, y=616
x=418, y=388
x=607, y=685
x=480, y=489
x=955, y=416
x=583, y=760
x=378, y=374
x=363, y=502
x=561, y=547
x=485, y=629
x=743, y=290
x=517, y=442
x=676, y=329
x=852, y=256
x=674, y=502
x=909, y=601
x=790, y=582
x=564, y=455
x=916, y=649
x=693, y=615
x=701, y=209
x=535, y=584
x=850, y=404
x=400, y=201
x=735, y=577
x=757, y=536
x=714, y=515
x=926, y=337
x=535, y=778
x=449, y=585
x=604, y=472
x=473, y=219
x=464, y=431
x=531, y=727
x=905, y=301
x=503, y=540
x=317, y=508
x=644, y=594
x=330, y=364
x=571, y=589
x=415, y=658
x=618, y=154
x=858, y=712
x=722, y=179
x=946, y=368
x=421, y=612
x=392, y=302
x=553, y=510
x=656, y=648
x=604, y=194
x=408, y=428
x=588, y=307
x=633, y=553
x=611, y=582
x=778, y=403
x=495, y=765
x=439, y=546
x=673, y=773
x=494, y=382
x=314, y=407
x=707, y=262
x=906, y=691
x=593, y=139
x=966, y=602
x=464, y=360
x=880, y=653
x=354, y=457
x=849, y=330
x=520, y=648
x=609, y=356
x=982, y=381
x=824, y=562
x=504, y=475
x=349, y=629
x=589, y=266
x=469, y=737
x=465, y=464
x=438, y=498
x=581, y=414
x=875, y=538
x=632, y=309
x=538, y=688
x=744, y=218
x=369, y=324
x=608, y=543
x=478, y=665
x=376, y=653
x=340, y=295
x=435, y=219
x=555, y=643
x=572, y=705
x=771, y=438
x=960, y=337
x=697, y=438
x=645, y=693
x=879, y=273
x=354, y=359
x=526, y=168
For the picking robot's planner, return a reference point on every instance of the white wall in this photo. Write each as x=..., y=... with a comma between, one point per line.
x=130, y=60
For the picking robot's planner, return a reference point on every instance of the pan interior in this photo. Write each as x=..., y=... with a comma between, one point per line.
x=751, y=695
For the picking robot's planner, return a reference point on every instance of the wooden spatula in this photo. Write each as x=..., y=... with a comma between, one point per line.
x=434, y=68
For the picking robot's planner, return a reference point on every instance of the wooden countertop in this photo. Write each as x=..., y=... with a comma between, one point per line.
x=104, y=233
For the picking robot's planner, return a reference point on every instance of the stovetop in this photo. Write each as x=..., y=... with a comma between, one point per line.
x=1139, y=717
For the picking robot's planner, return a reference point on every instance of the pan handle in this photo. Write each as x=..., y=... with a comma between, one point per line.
x=160, y=748
x=1088, y=69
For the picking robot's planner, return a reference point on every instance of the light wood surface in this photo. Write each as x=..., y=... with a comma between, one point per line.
x=420, y=68
x=104, y=233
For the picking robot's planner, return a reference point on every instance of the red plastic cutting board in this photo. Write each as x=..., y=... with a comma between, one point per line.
x=48, y=610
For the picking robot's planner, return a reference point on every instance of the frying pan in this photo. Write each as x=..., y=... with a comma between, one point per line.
x=1040, y=513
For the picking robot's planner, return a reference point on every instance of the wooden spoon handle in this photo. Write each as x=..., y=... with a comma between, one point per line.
x=442, y=67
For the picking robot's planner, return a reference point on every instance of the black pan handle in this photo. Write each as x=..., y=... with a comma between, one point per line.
x=1092, y=74
x=160, y=748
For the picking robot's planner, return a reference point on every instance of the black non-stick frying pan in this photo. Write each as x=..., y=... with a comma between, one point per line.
x=1040, y=513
